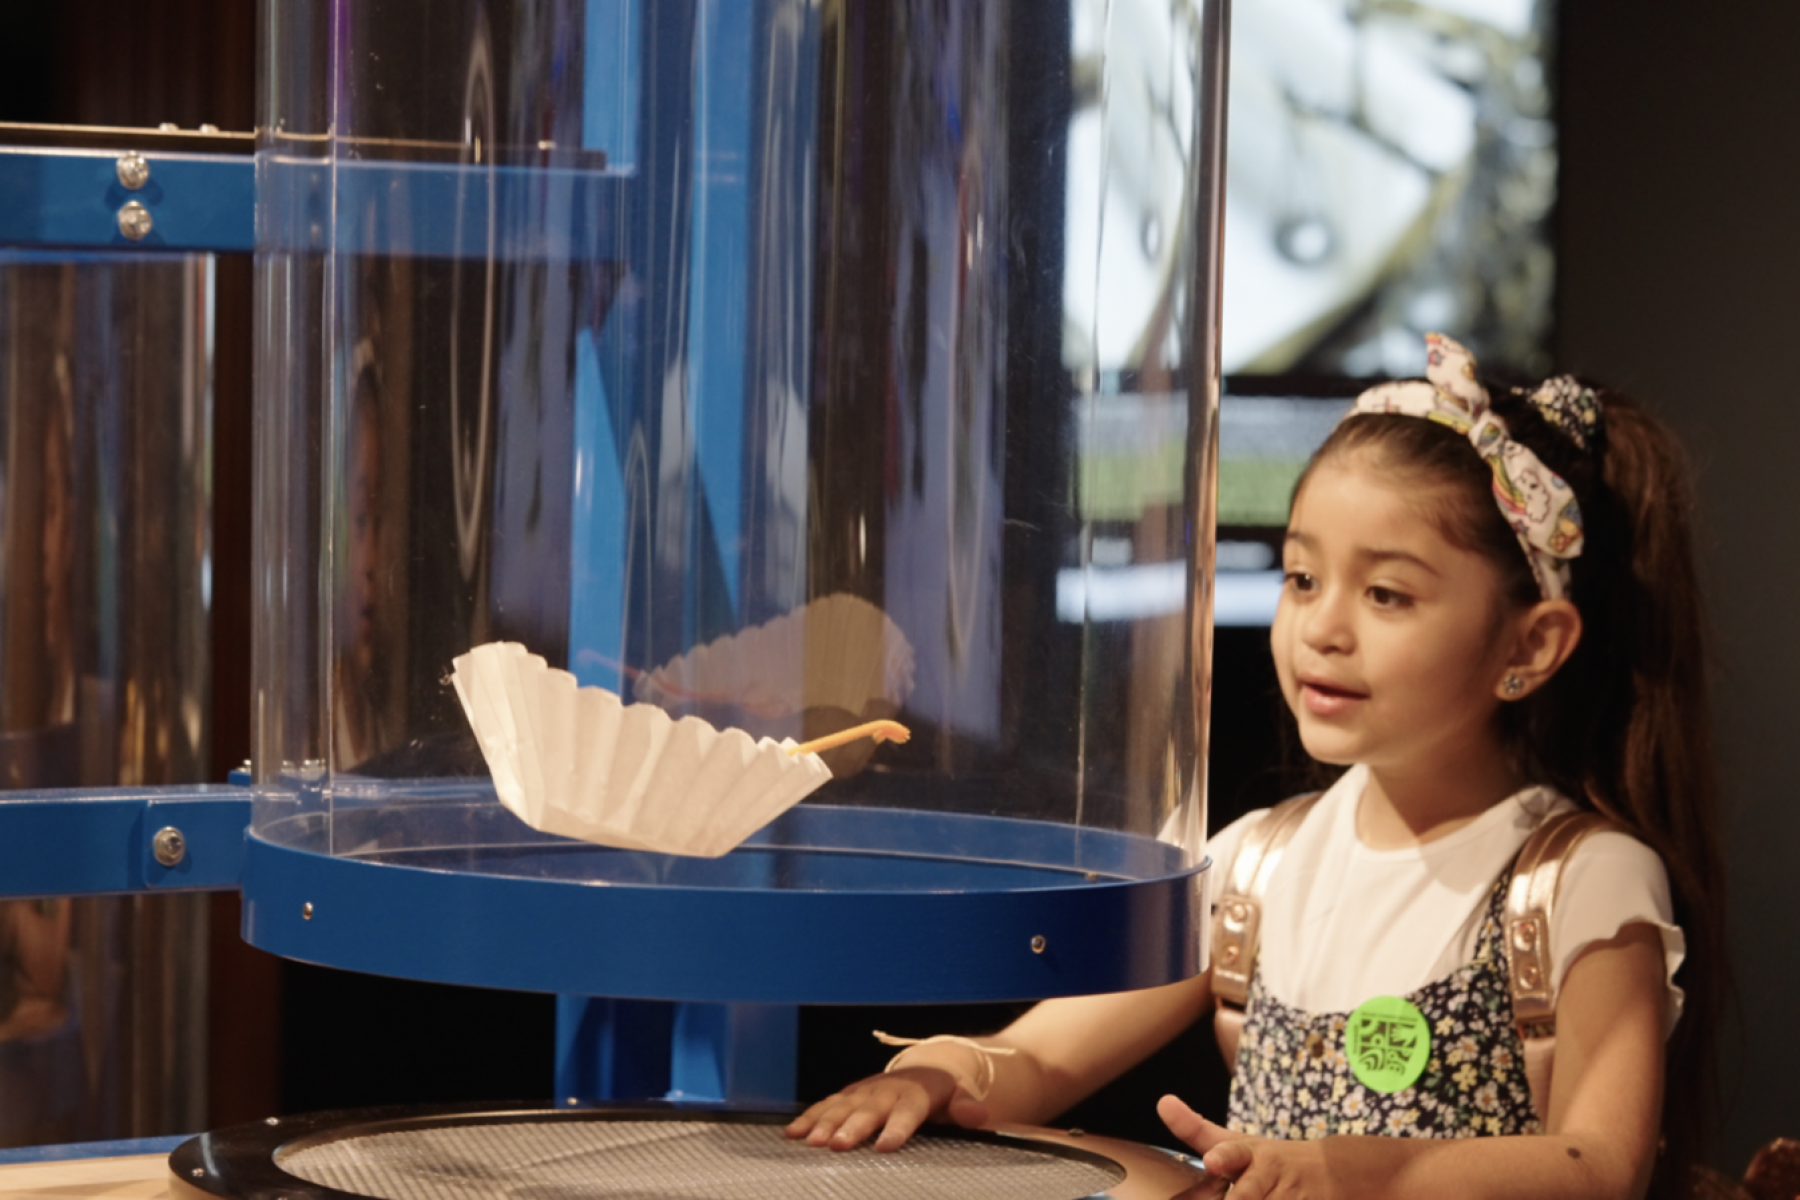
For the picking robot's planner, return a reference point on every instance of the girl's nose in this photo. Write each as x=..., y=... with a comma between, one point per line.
x=1325, y=624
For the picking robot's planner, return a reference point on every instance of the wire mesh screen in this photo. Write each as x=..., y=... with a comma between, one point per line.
x=680, y=1160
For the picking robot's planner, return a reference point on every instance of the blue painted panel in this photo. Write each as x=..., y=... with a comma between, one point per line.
x=96, y=841
x=748, y=944
x=438, y=210
x=611, y=80
x=744, y=1054
x=719, y=277
x=198, y=202
x=612, y=1049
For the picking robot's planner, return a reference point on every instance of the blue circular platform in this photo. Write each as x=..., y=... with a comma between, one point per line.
x=827, y=905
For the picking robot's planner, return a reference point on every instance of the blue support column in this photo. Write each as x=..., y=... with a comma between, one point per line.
x=612, y=1049
x=656, y=1049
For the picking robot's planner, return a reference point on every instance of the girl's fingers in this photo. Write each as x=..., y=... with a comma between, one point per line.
x=856, y=1127
x=1231, y=1159
x=910, y=1112
x=895, y=1103
x=1190, y=1126
x=967, y=1111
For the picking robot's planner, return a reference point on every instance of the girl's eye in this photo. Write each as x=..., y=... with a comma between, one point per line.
x=1300, y=581
x=1383, y=597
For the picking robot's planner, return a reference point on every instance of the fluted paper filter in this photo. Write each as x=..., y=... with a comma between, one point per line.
x=578, y=762
x=839, y=652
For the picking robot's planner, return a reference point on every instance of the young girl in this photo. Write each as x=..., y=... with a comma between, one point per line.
x=1490, y=617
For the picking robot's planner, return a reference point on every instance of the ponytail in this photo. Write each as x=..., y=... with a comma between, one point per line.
x=1625, y=726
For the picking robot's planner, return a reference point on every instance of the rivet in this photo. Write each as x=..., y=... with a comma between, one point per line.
x=1525, y=937
x=305, y=915
x=1229, y=955
x=208, y=127
x=134, y=170
x=1092, y=876
x=271, y=1120
x=168, y=846
x=168, y=127
x=1529, y=976
x=135, y=221
x=1077, y=1133
x=198, y=1172
x=1237, y=912
x=1038, y=943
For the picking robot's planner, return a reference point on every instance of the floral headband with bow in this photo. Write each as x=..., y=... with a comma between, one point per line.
x=1535, y=500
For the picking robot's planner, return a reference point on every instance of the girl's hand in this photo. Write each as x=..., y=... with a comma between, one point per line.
x=895, y=1103
x=1257, y=1167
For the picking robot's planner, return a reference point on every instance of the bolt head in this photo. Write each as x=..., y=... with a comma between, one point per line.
x=168, y=846
x=135, y=221
x=134, y=170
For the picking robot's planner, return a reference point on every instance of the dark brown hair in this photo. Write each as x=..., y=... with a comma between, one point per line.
x=1624, y=727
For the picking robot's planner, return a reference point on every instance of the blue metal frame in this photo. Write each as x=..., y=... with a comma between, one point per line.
x=826, y=906
x=98, y=841
x=72, y=198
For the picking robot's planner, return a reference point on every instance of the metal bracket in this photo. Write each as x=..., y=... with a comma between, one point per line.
x=103, y=841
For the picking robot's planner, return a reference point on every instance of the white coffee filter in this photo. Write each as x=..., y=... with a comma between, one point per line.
x=839, y=651
x=578, y=762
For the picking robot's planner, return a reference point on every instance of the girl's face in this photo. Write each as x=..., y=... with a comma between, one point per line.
x=1388, y=638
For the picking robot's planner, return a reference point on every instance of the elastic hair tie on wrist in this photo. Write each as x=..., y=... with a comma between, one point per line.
x=979, y=1086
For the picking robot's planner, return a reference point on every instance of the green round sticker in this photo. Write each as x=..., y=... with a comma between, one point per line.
x=1388, y=1042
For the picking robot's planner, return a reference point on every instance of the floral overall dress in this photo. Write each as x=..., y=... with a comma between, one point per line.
x=1293, y=1078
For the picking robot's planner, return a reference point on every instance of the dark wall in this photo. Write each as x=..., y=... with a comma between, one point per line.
x=1680, y=248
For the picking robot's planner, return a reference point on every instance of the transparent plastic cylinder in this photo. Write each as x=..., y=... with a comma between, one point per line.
x=105, y=672
x=631, y=332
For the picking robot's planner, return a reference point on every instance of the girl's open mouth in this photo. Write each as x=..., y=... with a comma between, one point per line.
x=1327, y=699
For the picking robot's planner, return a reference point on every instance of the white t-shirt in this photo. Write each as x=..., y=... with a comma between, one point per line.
x=1342, y=923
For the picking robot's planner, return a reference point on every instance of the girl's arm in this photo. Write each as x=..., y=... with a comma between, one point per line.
x=1600, y=1140
x=1062, y=1051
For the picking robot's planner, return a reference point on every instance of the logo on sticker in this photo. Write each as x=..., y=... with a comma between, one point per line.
x=1388, y=1043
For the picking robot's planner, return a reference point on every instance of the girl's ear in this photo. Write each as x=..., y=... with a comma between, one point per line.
x=1544, y=636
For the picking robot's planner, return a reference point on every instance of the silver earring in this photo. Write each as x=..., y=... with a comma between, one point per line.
x=1512, y=685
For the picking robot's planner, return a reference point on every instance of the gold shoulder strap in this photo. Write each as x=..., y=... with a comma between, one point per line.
x=1530, y=960
x=1237, y=918
x=1530, y=901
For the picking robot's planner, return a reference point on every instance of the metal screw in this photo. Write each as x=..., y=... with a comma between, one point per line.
x=1529, y=977
x=135, y=221
x=169, y=846
x=1230, y=955
x=168, y=127
x=1038, y=944
x=1237, y=913
x=306, y=911
x=134, y=170
x=209, y=127
x=1525, y=937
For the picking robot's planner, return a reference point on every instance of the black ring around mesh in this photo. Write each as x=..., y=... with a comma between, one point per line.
x=679, y=1160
